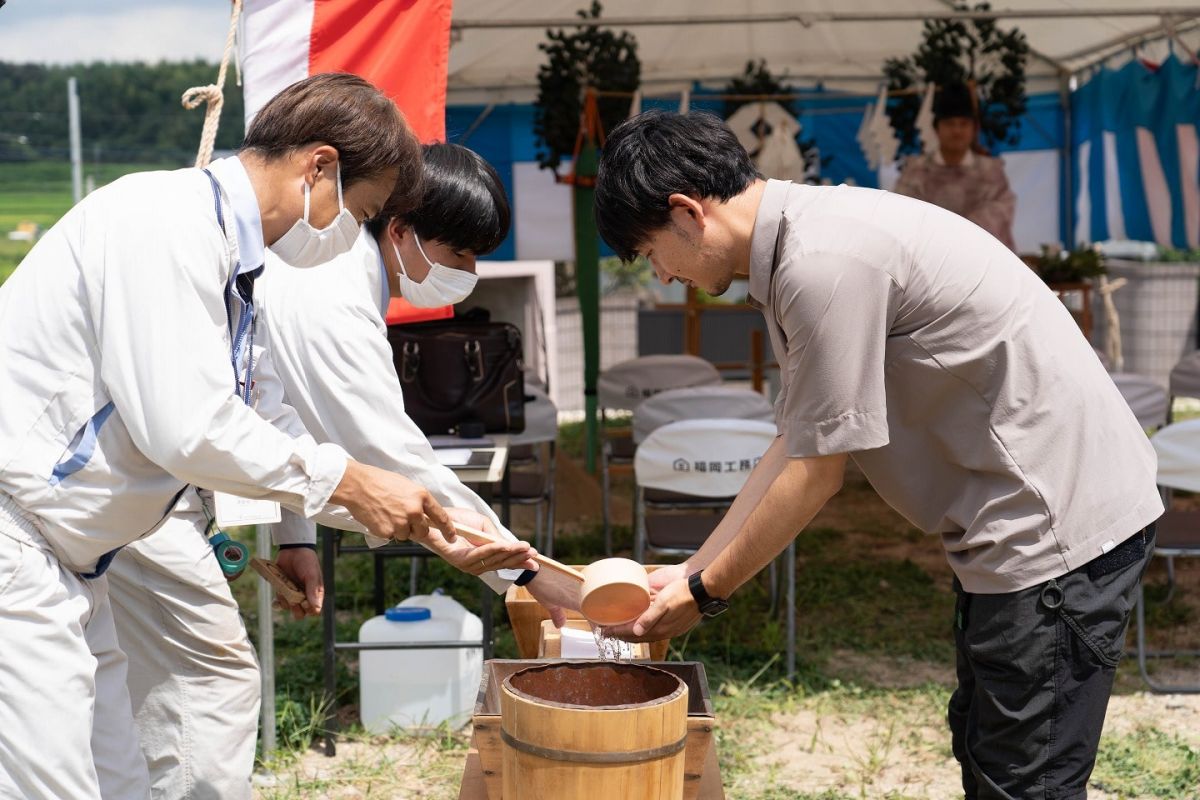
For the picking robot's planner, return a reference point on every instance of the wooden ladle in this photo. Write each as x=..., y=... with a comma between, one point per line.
x=478, y=537
x=611, y=591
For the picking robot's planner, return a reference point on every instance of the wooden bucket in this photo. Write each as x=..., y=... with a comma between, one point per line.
x=586, y=730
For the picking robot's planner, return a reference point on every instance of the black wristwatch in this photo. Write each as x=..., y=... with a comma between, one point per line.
x=709, y=606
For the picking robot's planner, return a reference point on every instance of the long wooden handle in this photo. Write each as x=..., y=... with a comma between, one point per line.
x=283, y=585
x=478, y=537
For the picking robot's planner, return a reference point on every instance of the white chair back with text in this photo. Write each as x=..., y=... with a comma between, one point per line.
x=702, y=457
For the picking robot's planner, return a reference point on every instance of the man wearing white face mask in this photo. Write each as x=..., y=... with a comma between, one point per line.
x=305, y=246
x=128, y=372
x=193, y=676
x=325, y=329
x=441, y=285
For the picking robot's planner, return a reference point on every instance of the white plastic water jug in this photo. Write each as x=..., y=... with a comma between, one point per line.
x=420, y=688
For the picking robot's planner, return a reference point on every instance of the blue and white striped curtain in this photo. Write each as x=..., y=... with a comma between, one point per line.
x=1137, y=155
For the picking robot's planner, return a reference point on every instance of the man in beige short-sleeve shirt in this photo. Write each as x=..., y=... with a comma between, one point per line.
x=913, y=342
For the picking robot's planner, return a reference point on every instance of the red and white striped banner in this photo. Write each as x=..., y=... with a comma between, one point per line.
x=401, y=46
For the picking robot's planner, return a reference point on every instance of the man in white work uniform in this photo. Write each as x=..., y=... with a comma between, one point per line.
x=193, y=676
x=126, y=375
x=327, y=334
x=915, y=343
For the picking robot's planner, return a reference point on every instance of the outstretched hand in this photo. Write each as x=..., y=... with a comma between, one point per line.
x=388, y=505
x=478, y=559
x=662, y=577
x=556, y=593
x=672, y=612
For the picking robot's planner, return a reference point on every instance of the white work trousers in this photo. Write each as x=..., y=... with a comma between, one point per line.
x=193, y=675
x=66, y=728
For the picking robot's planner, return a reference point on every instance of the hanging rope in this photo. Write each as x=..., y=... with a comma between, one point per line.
x=213, y=94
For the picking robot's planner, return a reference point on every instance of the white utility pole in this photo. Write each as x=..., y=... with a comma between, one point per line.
x=76, y=143
x=266, y=646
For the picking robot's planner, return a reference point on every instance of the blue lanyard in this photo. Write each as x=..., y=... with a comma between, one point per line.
x=244, y=333
x=243, y=337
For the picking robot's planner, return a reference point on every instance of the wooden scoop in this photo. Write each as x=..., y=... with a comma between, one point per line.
x=477, y=537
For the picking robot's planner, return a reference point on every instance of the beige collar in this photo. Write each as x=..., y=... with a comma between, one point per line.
x=968, y=159
x=764, y=239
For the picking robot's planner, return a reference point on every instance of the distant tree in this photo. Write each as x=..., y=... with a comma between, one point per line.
x=958, y=51
x=589, y=56
x=128, y=112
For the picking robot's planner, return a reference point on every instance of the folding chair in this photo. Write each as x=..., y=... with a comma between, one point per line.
x=687, y=474
x=1177, y=535
x=1147, y=400
x=702, y=402
x=531, y=481
x=699, y=402
x=622, y=387
x=692, y=469
x=1184, y=380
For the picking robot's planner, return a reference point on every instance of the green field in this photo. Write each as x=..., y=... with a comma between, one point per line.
x=11, y=254
x=40, y=192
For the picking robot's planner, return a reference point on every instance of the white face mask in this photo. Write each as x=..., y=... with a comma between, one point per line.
x=443, y=286
x=304, y=246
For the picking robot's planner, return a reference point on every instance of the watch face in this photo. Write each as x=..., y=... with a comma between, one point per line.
x=714, y=607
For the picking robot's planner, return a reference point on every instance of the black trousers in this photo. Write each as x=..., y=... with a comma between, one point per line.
x=1035, y=670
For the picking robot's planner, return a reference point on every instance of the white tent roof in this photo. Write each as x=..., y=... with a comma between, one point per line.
x=494, y=55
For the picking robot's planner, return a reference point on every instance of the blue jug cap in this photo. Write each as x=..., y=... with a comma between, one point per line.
x=407, y=614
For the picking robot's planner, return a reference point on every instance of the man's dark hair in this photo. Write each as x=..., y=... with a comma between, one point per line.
x=462, y=202
x=656, y=154
x=346, y=113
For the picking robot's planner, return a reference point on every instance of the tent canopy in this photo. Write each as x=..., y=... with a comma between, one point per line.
x=494, y=53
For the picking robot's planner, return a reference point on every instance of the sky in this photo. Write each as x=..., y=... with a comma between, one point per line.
x=69, y=31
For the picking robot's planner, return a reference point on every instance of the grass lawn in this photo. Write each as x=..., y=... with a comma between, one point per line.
x=863, y=719
x=11, y=254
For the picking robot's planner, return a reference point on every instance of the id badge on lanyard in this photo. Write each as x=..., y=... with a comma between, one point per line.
x=232, y=511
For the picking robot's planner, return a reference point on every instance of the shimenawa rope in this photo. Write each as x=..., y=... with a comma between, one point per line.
x=213, y=94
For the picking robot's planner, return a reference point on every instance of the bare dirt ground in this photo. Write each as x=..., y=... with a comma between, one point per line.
x=897, y=744
x=837, y=744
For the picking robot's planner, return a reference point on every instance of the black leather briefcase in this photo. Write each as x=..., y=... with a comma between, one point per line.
x=461, y=371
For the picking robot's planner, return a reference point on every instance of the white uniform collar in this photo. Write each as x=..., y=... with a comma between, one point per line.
x=378, y=271
x=231, y=174
x=968, y=159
